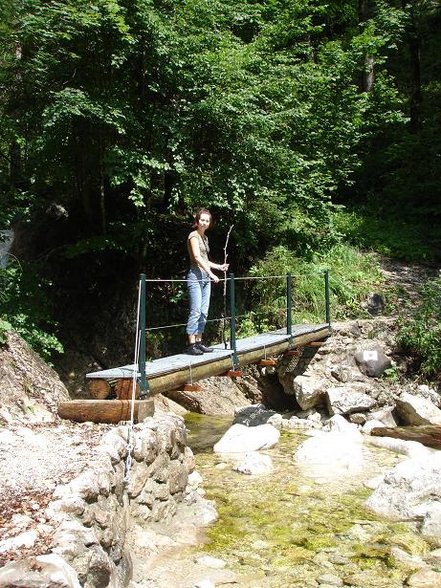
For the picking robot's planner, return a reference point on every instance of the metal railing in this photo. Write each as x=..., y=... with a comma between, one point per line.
x=231, y=282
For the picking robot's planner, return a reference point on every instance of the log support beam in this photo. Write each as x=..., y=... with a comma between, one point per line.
x=222, y=366
x=105, y=411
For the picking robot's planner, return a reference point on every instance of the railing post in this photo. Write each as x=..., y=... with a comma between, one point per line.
x=142, y=338
x=289, y=304
x=327, y=303
x=233, y=319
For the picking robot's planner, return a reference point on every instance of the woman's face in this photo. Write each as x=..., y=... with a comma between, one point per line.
x=204, y=221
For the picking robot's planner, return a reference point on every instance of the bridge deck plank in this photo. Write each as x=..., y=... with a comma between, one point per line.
x=170, y=364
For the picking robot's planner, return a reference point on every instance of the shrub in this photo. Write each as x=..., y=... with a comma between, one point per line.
x=352, y=274
x=421, y=335
x=24, y=308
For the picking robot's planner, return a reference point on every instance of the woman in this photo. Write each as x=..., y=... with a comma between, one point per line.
x=198, y=282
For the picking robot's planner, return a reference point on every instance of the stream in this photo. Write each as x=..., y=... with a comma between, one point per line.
x=287, y=529
x=284, y=529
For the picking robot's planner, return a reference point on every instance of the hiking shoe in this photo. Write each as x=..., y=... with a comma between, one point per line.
x=194, y=350
x=203, y=347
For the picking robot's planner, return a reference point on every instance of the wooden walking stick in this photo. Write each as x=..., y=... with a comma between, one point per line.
x=224, y=321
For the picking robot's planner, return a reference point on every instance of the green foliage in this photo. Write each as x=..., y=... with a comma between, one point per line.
x=251, y=109
x=5, y=326
x=386, y=231
x=401, y=171
x=131, y=114
x=352, y=275
x=421, y=334
x=24, y=308
x=391, y=375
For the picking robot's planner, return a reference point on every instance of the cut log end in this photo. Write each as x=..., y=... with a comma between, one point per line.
x=99, y=388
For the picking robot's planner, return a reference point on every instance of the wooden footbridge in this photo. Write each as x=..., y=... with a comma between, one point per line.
x=131, y=386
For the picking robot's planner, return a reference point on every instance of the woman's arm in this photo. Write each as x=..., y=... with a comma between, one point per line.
x=219, y=266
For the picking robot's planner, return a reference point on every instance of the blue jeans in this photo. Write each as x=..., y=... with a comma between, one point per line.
x=199, y=290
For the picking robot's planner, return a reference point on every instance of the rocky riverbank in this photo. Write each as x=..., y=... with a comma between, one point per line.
x=68, y=502
x=70, y=494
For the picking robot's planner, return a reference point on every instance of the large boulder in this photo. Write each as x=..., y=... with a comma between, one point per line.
x=412, y=491
x=384, y=415
x=348, y=399
x=220, y=396
x=309, y=391
x=242, y=439
x=372, y=361
x=414, y=410
x=329, y=456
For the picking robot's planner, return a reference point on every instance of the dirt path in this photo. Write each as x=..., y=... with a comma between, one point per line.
x=403, y=282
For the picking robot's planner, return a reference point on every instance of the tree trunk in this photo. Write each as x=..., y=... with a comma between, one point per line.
x=414, y=44
x=429, y=435
x=367, y=75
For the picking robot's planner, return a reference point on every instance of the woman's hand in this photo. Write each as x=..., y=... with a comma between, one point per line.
x=223, y=267
x=214, y=277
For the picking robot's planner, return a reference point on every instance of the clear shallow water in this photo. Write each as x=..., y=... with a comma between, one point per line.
x=289, y=529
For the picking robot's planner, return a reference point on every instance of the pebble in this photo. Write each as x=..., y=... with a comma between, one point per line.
x=434, y=557
x=329, y=580
x=425, y=579
x=412, y=561
x=338, y=559
x=210, y=562
x=204, y=584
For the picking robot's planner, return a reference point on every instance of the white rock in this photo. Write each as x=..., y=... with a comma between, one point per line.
x=194, y=480
x=210, y=562
x=241, y=439
x=275, y=421
x=330, y=580
x=47, y=570
x=59, y=570
x=431, y=526
x=373, y=482
x=412, y=561
x=402, y=446
x=347, y=399
x=426, y=392
x=255, y=463
x=424, y=579
x=409, y=491
x=338, y=424
x=26, y=539
x=330, y=455
x=385, y=416
x=309, y=391
x=371, y=424
x=414, y=410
